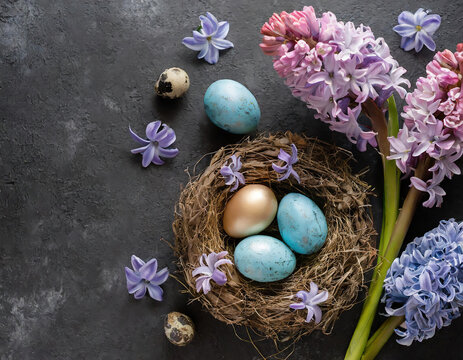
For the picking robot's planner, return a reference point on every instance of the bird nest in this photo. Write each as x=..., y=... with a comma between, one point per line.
x=338, y=267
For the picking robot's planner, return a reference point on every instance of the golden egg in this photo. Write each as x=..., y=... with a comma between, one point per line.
x=249, y=211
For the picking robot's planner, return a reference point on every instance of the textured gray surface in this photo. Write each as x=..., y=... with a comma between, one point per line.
x=75, y=204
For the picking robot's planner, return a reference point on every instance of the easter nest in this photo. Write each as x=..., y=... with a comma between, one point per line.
x=338, y=267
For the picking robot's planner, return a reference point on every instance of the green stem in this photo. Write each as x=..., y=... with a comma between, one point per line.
x=390, y=212
x=391, y=184
x=390, y=204
x=362, y=331
x=381, y=336
x=391, y=173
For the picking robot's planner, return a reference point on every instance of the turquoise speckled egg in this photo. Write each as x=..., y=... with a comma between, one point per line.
x=263, y=258
x=231, y=107
x=302, y=224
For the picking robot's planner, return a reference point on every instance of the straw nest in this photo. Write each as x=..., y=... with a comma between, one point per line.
x=338, y=267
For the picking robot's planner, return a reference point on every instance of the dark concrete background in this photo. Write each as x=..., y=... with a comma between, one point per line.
x=75, y=204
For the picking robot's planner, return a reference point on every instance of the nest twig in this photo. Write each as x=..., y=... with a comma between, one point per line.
x=338, y=267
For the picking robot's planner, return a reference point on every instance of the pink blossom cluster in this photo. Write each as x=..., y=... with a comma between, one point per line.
x=433, y=124
x=334, y=67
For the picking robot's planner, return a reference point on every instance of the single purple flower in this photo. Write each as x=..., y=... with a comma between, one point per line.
x=417, y=29
x=333, y=76
x=310, y=300
x=432, y=188
x=432, y=138
x=209, y=271
x=290, y=160
x=209, y=38
x=445, y=165
x=231, y=173
x=156, y=145
x=401, y=149
x=145, y=276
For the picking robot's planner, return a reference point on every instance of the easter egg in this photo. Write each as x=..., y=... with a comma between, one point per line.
x=179, y=328
x=172, y=83
x=249, y=211
x=263, y=258
x=231, y=107
x=301, y=223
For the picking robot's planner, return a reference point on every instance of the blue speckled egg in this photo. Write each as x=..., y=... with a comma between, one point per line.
x=302, y=224
x=263, y=258
x=231, y=107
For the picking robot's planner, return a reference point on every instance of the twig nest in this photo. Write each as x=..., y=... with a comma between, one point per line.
x=179, y=328
x=172, y=83
x=338, y=267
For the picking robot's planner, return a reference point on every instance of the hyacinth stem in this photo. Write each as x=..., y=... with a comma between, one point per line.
x=390, y=213
x=362, y=331
x=390, y=171
x=381, y=336
x=391, y=184
x=379, y=124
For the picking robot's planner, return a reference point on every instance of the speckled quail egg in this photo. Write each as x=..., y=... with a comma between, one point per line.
x=172, y=83
x=179, y=328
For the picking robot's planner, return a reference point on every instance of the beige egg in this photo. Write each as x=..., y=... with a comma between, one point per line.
x=179, y=328
x=249, y=211
x=172, y=83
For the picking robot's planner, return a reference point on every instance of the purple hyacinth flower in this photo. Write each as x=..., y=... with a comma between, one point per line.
x=231, y=173
x=417, y=29
x=145, y=276
x=287, y=169
x=209, y=271
x=209, y=39
x=156, y=146
x=310, y=300
x=433, y=189
x=425, y=284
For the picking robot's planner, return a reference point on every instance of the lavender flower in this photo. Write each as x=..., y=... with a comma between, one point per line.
x=433, y=189
x=417, y=29
x=310, y=300
x=209, y=39
x=425, y=284
x=145, y=276
x=231, y=172
x=288, y=167
x=157, y=144
x=401, y=149
x=209, y=271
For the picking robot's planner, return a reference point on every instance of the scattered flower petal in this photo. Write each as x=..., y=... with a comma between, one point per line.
x=156, y=146
x=209, y=270
x=231, y=173
x=145, y=276
x=417, y=30
x=287, y=169
x=310, y=300
x=209, y=38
